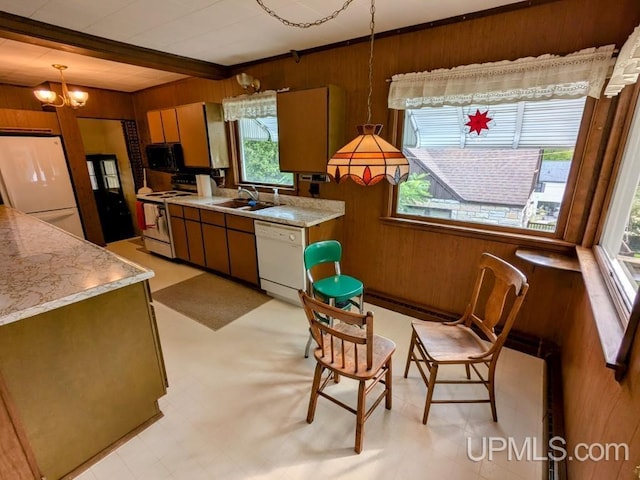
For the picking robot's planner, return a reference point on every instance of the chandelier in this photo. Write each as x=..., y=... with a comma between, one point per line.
x=73, y=99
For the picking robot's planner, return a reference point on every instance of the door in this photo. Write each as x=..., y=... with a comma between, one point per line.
x=34, y=174
x=115, y=217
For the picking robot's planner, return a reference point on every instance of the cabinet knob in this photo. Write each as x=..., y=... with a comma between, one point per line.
x=292, y=237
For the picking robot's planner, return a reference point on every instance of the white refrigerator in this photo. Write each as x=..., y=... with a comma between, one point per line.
x=34, y=178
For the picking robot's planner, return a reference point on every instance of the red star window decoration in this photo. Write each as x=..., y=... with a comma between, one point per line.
x=478, y=121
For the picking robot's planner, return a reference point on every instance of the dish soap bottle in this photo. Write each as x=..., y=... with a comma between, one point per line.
x=276, y=197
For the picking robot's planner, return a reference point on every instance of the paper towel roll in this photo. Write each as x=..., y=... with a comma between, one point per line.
x=203, y=183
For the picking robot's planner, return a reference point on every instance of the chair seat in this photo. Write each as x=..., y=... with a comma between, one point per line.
x=339, y=287
x=383, y=348
x=449, y=343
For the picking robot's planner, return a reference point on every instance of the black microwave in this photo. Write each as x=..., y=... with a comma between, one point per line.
x=165, y=157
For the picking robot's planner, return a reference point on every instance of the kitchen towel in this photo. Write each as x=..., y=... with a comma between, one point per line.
x=203, y=184
x=150, y=215
x=140, y=216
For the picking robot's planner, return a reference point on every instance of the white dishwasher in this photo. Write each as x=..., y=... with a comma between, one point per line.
x=280, y=259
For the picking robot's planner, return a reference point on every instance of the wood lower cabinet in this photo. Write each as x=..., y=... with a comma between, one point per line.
x=243, y=257
x=187, y=234
x=214, y=236
x=222, y=242
x=179, y=232
x=194, y=235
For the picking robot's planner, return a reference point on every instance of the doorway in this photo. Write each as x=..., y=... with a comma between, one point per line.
x=111, y=175
x=115, y=216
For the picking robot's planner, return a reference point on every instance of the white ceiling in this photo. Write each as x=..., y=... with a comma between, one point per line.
x=224, y=32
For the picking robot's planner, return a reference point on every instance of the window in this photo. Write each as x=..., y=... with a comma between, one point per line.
x=619, y=246
x=92, y=176
x=258, y=142
x=504, y=165
x=257, y=138
x=493, y=144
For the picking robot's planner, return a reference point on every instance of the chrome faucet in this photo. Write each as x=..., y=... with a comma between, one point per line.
x=252, y=195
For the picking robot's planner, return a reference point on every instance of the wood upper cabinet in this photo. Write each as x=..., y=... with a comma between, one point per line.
x=310, y=128
x=203, y=135
x=163, y=126
x=198, y=127
x=243, y=257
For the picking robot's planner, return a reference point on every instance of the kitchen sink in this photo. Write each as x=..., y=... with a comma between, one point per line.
x=243, y=204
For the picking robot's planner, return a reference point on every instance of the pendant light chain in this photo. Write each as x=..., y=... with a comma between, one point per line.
x=304, y=24
x=372, y=26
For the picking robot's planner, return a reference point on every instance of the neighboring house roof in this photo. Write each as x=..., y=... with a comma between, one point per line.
x=499, y=176
x=554, y=171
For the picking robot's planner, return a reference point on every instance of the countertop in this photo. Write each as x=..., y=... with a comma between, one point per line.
x=45, y=267
x=297, y=212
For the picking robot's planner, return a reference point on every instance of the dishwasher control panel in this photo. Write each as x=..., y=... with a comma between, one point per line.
x=282, y=233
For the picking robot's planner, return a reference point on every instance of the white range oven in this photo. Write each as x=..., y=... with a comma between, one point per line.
x=154, y=220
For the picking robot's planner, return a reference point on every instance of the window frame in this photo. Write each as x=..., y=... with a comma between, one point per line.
x=617, y=323
x=237, y=165
x=565, y=233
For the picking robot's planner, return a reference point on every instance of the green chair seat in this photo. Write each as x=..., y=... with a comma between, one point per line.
x=340, y=288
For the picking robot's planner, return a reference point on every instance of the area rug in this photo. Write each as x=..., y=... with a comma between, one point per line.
x=210, y=300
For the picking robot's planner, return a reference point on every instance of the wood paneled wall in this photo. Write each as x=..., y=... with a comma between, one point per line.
x=433, y=269
x=597, y=408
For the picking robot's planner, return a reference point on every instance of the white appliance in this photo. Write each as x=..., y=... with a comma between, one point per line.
x=156, y=231
x=34, y=178
x=281, y=259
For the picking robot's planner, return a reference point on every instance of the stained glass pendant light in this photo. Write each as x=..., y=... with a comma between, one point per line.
x=369, y=158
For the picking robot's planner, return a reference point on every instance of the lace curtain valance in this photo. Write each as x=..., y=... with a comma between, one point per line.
x=627, y=67
x=548, y=76
x=250, y=106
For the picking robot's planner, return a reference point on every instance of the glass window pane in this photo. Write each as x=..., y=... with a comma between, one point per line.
x=620, y=239
x=504, y=165
x=259, y=152
x=92, y=176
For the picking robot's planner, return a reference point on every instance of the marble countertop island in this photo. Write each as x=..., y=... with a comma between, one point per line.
x=44, y=268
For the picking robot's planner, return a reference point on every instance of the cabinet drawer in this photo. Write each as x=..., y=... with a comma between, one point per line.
x=214, y=218
x=175, y=210
x=243, y=224
x=192, y=213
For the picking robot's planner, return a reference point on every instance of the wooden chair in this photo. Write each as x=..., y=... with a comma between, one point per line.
x=349, y=349
x=338, y=290
x=498, y=285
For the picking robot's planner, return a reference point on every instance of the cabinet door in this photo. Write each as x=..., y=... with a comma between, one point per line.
x=216, y=253
x=179, y=234
x=170, y=125
x=154, y=120
x=243, y=261
x=193, y=135
x=217, y=133
x=310, y=128
x=194, y=239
